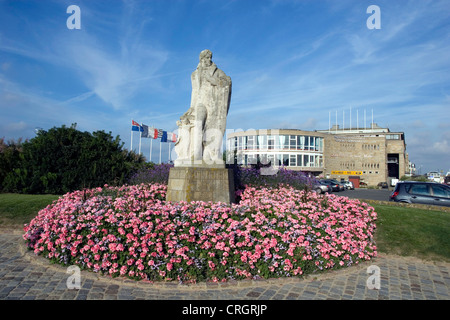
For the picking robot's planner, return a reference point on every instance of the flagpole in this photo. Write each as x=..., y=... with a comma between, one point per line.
x=329, y=121
x=151, y=147
x=170, y=144
x=131, y=138
x=350, y=118
x=372, y=120
x=357, y=120
x=160, y=151
x=140, y=138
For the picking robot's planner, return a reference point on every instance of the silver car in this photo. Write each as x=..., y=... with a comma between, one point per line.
x=421, y=192
x=319, y=188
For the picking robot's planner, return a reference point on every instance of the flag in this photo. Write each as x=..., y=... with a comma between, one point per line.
x=164, y=136
x=160, y=133
x=171, y=137
x=135, y=126
x=144, y=132
x=152, y=133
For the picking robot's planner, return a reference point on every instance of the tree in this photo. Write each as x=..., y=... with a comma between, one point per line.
x=64, y=159
x=10, y=156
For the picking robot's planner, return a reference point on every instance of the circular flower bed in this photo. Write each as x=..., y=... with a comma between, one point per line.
x=132, y=231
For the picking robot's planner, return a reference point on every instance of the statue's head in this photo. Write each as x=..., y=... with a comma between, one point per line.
x=205, y=57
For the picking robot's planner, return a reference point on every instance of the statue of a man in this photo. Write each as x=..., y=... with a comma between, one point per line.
x=210, y=102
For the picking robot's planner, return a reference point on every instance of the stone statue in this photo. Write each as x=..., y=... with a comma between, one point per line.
x=202, y=127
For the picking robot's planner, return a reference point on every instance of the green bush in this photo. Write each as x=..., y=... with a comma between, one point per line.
x=413, y=178
x=64, y=159
x=10, y=153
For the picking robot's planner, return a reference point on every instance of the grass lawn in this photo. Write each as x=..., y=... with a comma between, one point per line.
x=413, y=232
x=404, y=231
x=17, y=209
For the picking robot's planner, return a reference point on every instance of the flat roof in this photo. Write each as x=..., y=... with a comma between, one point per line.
x=274, y=132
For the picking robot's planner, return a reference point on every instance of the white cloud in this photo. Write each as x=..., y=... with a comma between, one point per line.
x=442, y=147
x=16, y=127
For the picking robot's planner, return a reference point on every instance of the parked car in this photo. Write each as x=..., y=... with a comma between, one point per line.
x=348, y=185
x=421, y=192
x=341, y=185
x=327, y=185
x=319, y=187
x=383, y=185
x=447, y=180
x=335, y=186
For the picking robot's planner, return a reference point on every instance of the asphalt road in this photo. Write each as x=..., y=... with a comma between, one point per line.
x=369, y=194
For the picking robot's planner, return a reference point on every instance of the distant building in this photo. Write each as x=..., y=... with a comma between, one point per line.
x=369, y=155
x=296, y=149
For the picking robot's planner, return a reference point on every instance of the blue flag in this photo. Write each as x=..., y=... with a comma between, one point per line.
x=164, y=136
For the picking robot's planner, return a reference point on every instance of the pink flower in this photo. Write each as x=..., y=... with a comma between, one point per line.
x=281, y=226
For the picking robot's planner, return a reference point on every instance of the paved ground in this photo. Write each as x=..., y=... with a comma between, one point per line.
x=24, y=276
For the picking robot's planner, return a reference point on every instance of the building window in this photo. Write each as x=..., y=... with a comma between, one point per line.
x=262, y=142
x=299, y=160
x=293, y=160
x=306, y=160
x=392, y=137
x=251, y=143
x=300, y=142
x=271, y=159
x=270, y=142
x=285, y=144
x=286, y=160
x=252, y=159
x=311, y=143
x=320, y=159
x=306, y=143
x=292, y=142
x=281, y=142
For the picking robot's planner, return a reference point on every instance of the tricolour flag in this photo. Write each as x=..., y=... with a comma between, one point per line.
x=144, y=133
x=152, y=133
x=171, y=137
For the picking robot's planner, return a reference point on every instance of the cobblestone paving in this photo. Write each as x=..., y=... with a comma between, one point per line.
x=26, y=277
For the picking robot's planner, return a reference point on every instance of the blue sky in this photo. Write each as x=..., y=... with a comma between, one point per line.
x=292, y=63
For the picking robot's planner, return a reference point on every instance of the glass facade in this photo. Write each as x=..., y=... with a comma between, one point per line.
x=279, y=150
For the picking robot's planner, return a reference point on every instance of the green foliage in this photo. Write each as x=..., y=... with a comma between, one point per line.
x=10, y=155
x=413, y=178
x=64, y=159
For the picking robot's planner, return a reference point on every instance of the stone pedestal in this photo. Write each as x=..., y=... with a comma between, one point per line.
x=200, y=184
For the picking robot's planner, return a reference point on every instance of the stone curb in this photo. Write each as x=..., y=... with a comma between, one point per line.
x=25, y=276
